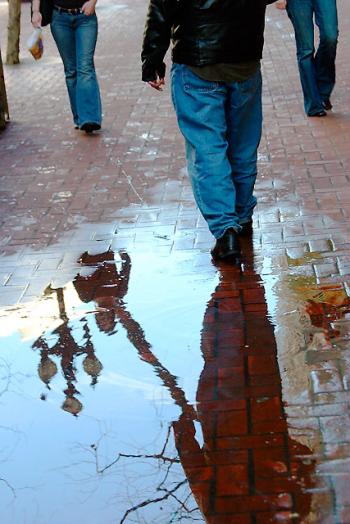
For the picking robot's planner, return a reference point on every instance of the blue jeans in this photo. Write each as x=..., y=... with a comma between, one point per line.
x=221, y=124
x=317, y=71
x=75, y=37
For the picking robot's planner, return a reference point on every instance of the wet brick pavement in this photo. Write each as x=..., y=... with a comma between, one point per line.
x=249, y=368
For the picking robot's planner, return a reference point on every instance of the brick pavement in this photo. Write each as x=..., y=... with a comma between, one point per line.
x=63, y=193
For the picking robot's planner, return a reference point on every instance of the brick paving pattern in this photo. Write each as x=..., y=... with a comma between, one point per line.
x=63, y=193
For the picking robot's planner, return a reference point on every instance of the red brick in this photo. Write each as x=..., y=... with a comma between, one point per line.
x=199, y=474
x=262, y=365
x=254, y=296
x=250, y=442
x=220, y=405
x=281, y=517
x=232, y=480
x=252, y=503
x=231, y=423
x=201, y=492
x=270, y=463
x=266, y=409
x=231, y=377
x=229, y=305
x=278, y=484
x=242, y=518
x=227, y=457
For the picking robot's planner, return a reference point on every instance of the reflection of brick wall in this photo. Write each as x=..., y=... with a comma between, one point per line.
x=248, y=469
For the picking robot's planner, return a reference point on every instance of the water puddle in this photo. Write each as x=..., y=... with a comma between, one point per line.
x=147, y=390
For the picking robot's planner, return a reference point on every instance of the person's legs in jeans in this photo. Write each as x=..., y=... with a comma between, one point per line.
x=88, y=93
x=327, y=21
x=200, y=107
x=301, y=14
x=64, y=35
x=244, y=118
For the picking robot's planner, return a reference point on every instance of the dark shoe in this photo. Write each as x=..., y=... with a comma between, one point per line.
x=247, y=228
x=227, y=247
x=89, y=127
x=320, y=113
x=327, y=104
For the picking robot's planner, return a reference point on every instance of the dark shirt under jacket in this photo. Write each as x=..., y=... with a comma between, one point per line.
x=69, y=4
x=203, y=33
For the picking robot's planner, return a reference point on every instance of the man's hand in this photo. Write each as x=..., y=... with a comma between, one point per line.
x=281, y=4
x=89, y=7
x=157, y=84
x=36, y=19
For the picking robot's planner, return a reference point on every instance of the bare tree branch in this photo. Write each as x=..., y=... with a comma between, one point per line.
x=153, y=501
x=11, y=488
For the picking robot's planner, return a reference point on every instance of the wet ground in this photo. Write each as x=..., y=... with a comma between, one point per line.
x=139, y=382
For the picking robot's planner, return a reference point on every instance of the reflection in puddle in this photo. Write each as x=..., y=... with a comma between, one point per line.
x=180, y=409
x=106, y=286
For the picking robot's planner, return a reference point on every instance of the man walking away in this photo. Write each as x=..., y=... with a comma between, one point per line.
x=216, y=91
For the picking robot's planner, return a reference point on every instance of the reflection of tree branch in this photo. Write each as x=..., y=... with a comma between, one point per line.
x=167, y=472
x=7, y=378
x=166, y=441
x=157, y=456
x=153, y=501
x=166, y=461
x=183, y=503
x=11, y=488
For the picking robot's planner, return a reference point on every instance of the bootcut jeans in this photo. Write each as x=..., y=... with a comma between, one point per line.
x=221, y=123
x=75, y=36
x=317, y=70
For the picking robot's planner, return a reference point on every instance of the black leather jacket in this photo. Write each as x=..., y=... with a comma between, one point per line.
x=202, y=32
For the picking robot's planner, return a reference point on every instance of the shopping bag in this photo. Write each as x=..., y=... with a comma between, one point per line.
x=35, y=43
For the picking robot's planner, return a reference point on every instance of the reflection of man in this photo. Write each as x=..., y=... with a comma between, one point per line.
x=248, y=467
x=317, y=70
x=216, y=90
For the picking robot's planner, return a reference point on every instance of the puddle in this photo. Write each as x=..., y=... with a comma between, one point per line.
x=148, y=390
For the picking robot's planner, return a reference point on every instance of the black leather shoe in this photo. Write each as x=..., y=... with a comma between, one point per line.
x=89, y=127
x=227, y=247
x=247, y=228
x=319, y=113
x=327, y=104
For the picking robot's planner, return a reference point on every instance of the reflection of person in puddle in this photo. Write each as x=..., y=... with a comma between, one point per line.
x=248, y=464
